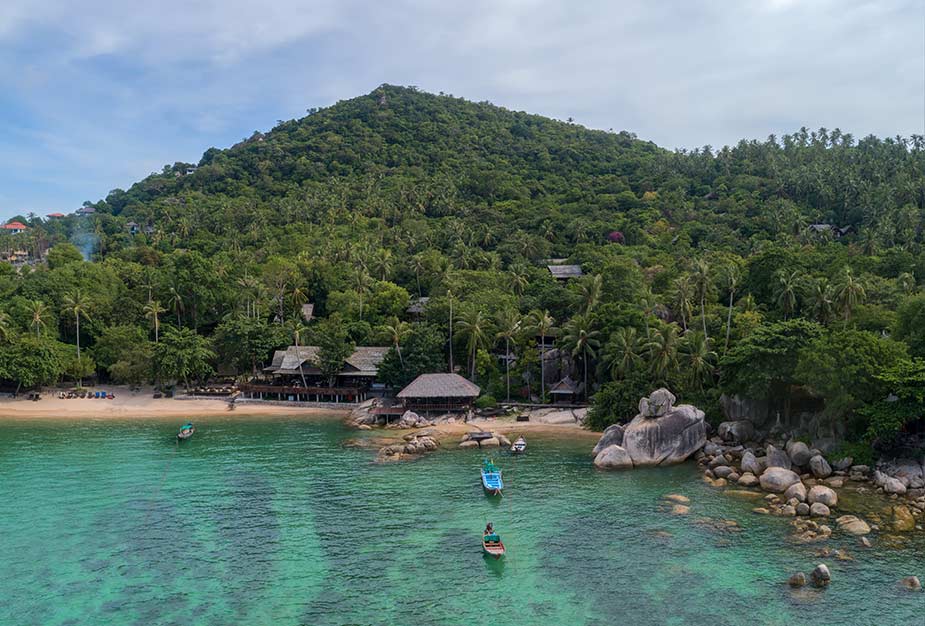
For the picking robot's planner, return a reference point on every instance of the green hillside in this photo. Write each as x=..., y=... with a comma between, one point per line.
x=699, y=265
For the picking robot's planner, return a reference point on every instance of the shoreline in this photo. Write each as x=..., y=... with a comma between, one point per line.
x=140, y=404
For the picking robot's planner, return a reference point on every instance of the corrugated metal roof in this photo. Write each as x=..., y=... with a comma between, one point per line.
x=565, y=271
x=440, y=386
x=365, y=359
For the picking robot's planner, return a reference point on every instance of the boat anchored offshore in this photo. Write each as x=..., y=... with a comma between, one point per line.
x=491, y=478
x=186, y=431
x=519, y=446
x=491, y=542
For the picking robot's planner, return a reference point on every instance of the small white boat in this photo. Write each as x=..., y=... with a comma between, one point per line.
x=519, y=446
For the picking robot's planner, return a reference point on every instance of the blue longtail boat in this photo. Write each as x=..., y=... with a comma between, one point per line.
x=491, y=478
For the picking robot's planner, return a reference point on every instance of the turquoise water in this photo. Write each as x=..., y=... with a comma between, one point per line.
x=258, y=521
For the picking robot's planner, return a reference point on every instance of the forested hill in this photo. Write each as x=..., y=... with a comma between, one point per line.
x=788, y=270
x=398, y=153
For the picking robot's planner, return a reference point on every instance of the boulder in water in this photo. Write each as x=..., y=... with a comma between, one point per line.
x=821, y=575
x=796, y=490
x=820, y=493
x=748, y=479
x=893, y=485
x=612, y=436
x=911, y=583
x=853, y=525
x=613, y=457
x=797, y=580
x=817, y=509
x=903, y=521
x=661, y=434
x=777, y=479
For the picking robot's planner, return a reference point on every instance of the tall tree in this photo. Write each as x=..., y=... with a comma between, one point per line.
x=508, y=323
x=152, y=311
x=77, y=305
x=474, y=326
x=541, y=324
x=581, y=338
x=849, y=293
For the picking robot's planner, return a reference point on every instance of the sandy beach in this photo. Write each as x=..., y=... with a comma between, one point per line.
x=141, y=404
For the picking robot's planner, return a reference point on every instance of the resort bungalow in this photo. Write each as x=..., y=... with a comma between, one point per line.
x=86, y=210
x=284, y=377
x=133, y=228
x=566, y=391
x=56, y=216
x=439, y=393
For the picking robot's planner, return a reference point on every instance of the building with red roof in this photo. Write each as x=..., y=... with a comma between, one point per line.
x=14, y=228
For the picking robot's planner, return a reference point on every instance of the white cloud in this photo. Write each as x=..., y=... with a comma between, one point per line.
x=157, y=82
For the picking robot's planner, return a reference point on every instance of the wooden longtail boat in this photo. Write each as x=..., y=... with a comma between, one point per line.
x=519, y=446
x=492, y=545
x=491, y=478
x=186, y=431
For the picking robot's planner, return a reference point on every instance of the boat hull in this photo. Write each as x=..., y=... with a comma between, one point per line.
x=185, y=434
x=494, y=550
x=492, y=483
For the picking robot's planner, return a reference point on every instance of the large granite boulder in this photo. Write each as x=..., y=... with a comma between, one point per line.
x=777, y=458
x=613, y=436
x=820, y=467
x=777, y=479
x=613, y=457
x=750, y=463
x=661, y=434
x=799, y=453
x=853, y=525
x=738, y=431
x=823, y=494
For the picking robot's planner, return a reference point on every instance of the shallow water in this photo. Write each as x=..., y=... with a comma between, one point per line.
x=275, y=521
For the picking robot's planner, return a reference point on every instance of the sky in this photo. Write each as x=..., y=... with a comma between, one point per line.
x=97, y=94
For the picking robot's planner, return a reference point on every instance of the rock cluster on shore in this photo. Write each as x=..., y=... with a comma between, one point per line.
x=661, y=434
x=413, y=446
x=496, y=440
x=801, y=483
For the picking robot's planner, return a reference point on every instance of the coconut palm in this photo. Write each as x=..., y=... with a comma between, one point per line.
x=702, y=284
x=176, y=301
x=520, y=278
x=683, y=295
x=648, y=305
x=623, y=352
x=849, y=293
x=5, y=331
x=397, y=331
x=39, y=312
x=589, y=291
x=297, y=329
x=818, y=299
x=509, y=322
x=786, y=289
x=76, y=304
x=906, y=282
x=698, y=359
x=663, y=352
x=418, y=265
x=152, y=312
x=732, y=285
x=474, y=326
x=580, y=338
x=542, y=322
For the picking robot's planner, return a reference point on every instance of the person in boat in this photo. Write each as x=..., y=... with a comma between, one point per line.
x=489, y=529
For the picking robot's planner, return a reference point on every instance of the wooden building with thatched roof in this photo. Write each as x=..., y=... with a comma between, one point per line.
x=439, y=393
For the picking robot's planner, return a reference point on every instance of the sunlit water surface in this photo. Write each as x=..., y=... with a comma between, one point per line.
x=276, y=521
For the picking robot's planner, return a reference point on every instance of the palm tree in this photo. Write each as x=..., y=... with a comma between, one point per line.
x=509, y=322
x=648, y=304
x=176, y=301
x=152, y=312
x=581, y=338
x=361, y=281
x=906, y=282
x=786, y=291
x=417, y=266
x=397, y=331
x=39, y=312
x=683, y=294
x=76, y=304
x=849, y=293
x=449, y=297
x=623, y=352
x=542, y=323
x=663, y=352
x=474, y=326
x=732, y=285
x=520, y=279
x=698, y=358
x=817, y=299
x=590, y=292
x=382, y=262
x=702, y=286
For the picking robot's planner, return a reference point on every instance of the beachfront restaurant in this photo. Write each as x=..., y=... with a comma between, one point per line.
x=283, y=379
x=439, y=393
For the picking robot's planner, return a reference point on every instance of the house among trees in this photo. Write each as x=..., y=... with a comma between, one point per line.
x=416, y=308
x=86, y=210
x=565, y=391
x=56, y=216
x=14, y=228
x=133, y=228
x=829, y=229
x=439, y=393
x=565, y=272
x=285, y=374
x=308, y=312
